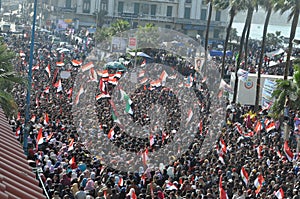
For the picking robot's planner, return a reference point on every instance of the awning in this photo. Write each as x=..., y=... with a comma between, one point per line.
x=140, y=54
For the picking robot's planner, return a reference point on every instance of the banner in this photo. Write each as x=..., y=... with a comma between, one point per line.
x=267, y=90
x=118, y=44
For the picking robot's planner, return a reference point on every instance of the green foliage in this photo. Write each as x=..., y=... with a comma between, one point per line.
x=7, y=78
x=287, y=87
x=274, y=39
x=147, y=36
x=104, y=33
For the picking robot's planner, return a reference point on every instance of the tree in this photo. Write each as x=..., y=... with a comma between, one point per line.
x=253, y=4
x=268, y=6
x=210, y=2
x=118, y=26
x=100, y=15
x=7, y=78
x=232, y=12
x=274, y=40
x=289, y=87
x=238, y=60
x=294, y=7
x=148, y=35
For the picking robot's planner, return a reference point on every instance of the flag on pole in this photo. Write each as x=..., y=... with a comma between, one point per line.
x=258, y=127
x=48, y=70
x=69, y=93
x=223, y=194
x=46, y=119
x=72, y=163
x=128, y=101
x=111, y=133
x=244, y=175
x=258, y=183
x=87, y=66
x=32, y=119
x=151, y=139
x=80, y=92
x=279, y=194
x=145, y=157
x=223, y=145
x=289, y=154
x=40, y=138
x=71, y=145
x=120, y=182
x=259, y=151
x=270, y=126
x=59, y=87
x=76, y=63
x=18, y=131
x=102, y=96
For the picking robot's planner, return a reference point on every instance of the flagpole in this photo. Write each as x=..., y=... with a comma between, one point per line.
x=27, y=114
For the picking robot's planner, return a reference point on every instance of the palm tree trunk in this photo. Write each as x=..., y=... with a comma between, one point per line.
x=238, y=61
x=232, y=14
x=290, y=49
x=207, y=35
x=263, y=43
x=246, y=43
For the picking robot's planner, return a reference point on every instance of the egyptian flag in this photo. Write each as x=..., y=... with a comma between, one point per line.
x=258, y=127
x=141, y=74
x=102, y=86
x=221, y=157
x=223, y=194
x=69, y=93
x=163, y=76
x=190, y=115
x=289, y=154
x=46, y=90
x=244, y=175
x=18, y=131
x=36, y=67
x=40, y=138
x=59, y=86
x=145, y=157
x=87, y=66
x=270, y=126
x=32, y=119
x=111, y=134
x=81, y=91
x=120, y=182
x=19, y=116
x=239, y=128
x=223, y=145
x=46, y=119
x=258, y=183
x=93, y=75
x=60, y=63
x=71, y=145
x=151, y=138
x=102, y=96
x=76, y=63
x=201, y=127
x=279, y=194
x=72, y=163
x=259, y=151
x=48, y=70
x=49, y=137
x=143, y=63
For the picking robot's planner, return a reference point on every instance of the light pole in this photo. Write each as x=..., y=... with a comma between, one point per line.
x=27, y=111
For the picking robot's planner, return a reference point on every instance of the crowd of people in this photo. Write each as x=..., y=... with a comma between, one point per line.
x=251, y=157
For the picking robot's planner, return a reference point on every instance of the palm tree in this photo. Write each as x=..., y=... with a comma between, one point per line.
x=232, y=12
x=7, y=78
x=250, y=11
x=268, y=6
x=294, y=7
x=210, y=2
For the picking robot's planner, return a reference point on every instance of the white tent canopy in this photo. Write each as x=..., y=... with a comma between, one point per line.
x=140, y=54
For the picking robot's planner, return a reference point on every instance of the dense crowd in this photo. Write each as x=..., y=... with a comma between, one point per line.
x=72, y=170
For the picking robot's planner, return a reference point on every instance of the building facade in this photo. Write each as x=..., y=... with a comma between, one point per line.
x=187, y=16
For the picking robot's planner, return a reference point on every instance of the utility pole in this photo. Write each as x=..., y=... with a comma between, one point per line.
x=27, y=111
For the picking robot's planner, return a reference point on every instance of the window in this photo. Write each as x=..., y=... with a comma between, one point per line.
x=104, y=5
x=203, y=14
x=153, y=10
x=68, y=3
x=188, y=1
x=168, y=26
x=86, y=6
x=218, y=15
x=216, y=33
x=120, y=7
x=204, y=2
x=169, y=11
x=136, y=8
x=145, y=9
x=187, y=12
